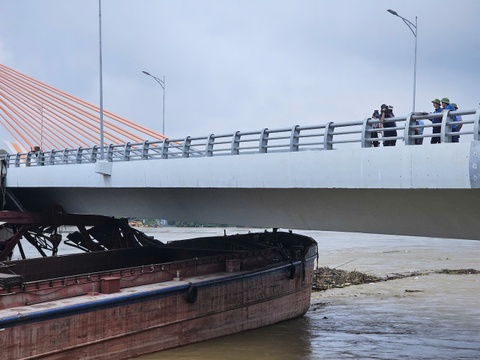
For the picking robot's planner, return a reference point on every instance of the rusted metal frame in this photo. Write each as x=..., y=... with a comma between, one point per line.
x=13, y=241
x=91, y=245
x=115, y=240
x=34, y=242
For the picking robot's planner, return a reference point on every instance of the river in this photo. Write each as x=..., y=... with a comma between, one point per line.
x=432, y=316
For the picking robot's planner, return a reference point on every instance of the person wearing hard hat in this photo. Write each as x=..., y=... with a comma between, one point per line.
x=436, y=130
x=447, y=106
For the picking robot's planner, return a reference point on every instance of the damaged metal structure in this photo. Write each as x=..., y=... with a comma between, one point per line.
x=41, y=230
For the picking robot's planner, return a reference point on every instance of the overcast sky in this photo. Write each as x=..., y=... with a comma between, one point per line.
x=247, y=64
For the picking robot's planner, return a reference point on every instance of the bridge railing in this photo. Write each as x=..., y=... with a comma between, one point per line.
x=328, y=136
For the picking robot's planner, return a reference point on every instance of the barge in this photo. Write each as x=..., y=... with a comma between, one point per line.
x=128, y=294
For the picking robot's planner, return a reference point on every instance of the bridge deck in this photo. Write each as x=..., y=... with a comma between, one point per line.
x=413, y=190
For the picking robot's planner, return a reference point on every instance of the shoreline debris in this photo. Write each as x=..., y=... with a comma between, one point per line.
x=325, y=278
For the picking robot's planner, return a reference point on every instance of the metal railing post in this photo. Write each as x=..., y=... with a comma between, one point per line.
x=29, y=159
x=476, y=125
x=65, y=156
x=409, y=131
x=40, y=158
x=126, y=151
x=294, y=138
x=235, y=150
x=263, y=141
x=78, y=156
x=165, y=149
x=145, y=148
x=366, y=140
x=209, y=145
x=51, y=161
x=443, y=131
x=93, y=157
x=109, y=156
x=328, y=136
x=186, y=147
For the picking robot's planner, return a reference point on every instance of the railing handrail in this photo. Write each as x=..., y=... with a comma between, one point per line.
x=293, y=139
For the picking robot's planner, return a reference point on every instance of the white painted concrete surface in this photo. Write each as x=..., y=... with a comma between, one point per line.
x=411, y=190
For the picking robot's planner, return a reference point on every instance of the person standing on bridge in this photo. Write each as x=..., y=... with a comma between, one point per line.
x=437, y=129
x=447, y=106
x=456, y=127
x=388, y=113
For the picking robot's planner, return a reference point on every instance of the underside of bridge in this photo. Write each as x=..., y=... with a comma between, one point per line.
x=418, y=212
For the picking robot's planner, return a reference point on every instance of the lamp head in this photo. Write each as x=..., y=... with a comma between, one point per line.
x=146, y=73
x=393, y=12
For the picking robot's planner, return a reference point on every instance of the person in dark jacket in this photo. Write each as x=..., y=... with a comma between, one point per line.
x=436, y=130
x=387, y=113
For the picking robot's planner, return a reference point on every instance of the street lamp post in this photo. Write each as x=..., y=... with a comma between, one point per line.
x=414, y=30
x=101, y=78
x=162, y=84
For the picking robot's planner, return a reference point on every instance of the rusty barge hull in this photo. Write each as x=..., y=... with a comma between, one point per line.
x=197, y=290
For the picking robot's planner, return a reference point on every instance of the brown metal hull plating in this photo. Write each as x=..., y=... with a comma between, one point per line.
x=163, y=318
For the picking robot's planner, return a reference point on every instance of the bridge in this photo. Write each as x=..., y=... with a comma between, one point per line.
x=324, y=177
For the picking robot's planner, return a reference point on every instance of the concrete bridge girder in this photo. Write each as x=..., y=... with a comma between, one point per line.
x=411, y=190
